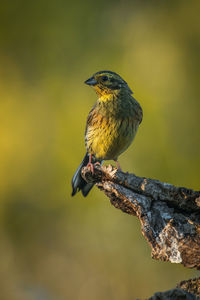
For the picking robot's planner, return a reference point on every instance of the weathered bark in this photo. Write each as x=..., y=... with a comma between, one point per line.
x=191, y=286
x=169, y=215
x=185, y=290
x=175, y=294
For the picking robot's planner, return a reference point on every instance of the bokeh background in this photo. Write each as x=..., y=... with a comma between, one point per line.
x=53, y=246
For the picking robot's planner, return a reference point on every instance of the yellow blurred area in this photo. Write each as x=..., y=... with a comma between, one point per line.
x=56, y=247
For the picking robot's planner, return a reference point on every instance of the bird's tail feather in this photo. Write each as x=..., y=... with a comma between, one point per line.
x=78, y=183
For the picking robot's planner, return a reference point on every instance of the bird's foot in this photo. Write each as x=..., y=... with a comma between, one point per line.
x=118, y=165
x=91, y=167
x=90, y=164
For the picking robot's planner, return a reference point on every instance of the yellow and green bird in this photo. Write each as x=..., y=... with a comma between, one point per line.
x=111, y=124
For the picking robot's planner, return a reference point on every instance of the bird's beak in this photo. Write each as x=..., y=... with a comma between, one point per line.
x=91, y=81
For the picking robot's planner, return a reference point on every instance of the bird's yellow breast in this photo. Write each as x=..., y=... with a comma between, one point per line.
x=107, y=138
x=112, y=125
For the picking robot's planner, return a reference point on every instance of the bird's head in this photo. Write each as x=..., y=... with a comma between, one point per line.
x=107, y=82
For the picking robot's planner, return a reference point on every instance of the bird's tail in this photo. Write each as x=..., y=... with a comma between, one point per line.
x=78, y=183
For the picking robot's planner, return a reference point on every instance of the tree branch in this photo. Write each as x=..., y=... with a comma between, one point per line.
x=187, y=290
x=169, y=215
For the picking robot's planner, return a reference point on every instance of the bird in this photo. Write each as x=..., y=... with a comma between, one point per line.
x=111, y=124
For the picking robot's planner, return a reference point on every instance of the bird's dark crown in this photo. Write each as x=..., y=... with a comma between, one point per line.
x=107, y=81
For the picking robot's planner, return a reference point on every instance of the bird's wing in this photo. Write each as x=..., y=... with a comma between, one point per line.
x=91, y=124
x=138, y=111
x=90, y=118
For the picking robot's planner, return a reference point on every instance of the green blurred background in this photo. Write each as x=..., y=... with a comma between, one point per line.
x=53, y=246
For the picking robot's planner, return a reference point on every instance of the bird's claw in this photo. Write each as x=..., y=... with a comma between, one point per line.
x=91, y=167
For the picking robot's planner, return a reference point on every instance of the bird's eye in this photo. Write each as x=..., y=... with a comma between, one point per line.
x=104, y=78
